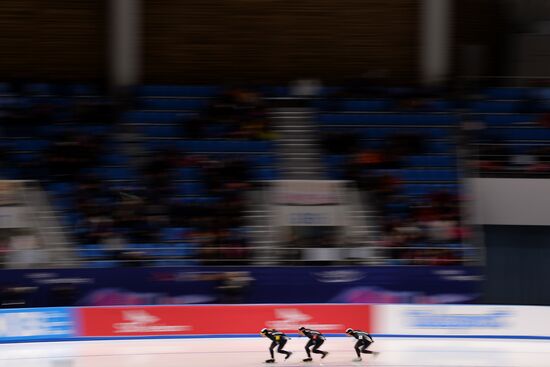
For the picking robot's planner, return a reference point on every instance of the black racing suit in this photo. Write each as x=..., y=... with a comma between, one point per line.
x=316, y=339
x=363, y=341
x=277, y=338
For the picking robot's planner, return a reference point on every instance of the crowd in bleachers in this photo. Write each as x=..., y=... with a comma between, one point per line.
x=401, y=150
x=509, y=133
x=176, y=196
x=177, y=191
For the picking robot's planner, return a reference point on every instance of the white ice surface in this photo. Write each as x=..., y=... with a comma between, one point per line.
x=251, y=352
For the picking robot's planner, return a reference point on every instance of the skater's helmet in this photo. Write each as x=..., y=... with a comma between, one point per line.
x=349, y=330
x=301, y=328
x=263, y=331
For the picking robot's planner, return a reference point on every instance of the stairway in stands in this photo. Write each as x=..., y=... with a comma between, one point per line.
x=300, y=159
x=297, y=144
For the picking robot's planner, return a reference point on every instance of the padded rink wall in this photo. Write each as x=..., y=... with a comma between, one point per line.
x=456, y=321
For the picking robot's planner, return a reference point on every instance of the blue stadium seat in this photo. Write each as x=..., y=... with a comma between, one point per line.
x=189, y=173
x=496, y=120
x=153, y=144
x=413, y=175
x=61, y=188
x=495, y=106
x=52, y=130
x=83, y=90
x=444, y=175
x=366, y=105
x=174, y=103
x=327, y=91
x=175, y=262
x=440, y=147
x=103, y=264
x=39, y=88
x=64, y=203
x=115, y=159
x=179, y=90
x=524, y=133
x=11, y=173
x=432, y=132
x=387, y=119
x=507, y=93
x=333, y=160
x=383, y=132
x=156, y=116
x=377, y=132
x=114, y=173
x=435, y=175
x=173, y=234
x=439, y=105
x=431, y=161
x=229, y=146
x=274, y=91
x=190, y=188
x=94, y=129
x=147, y=248
x=262, y=160
x=264, y=174
x=91, y=251
x=30, y=144
x=172, y=250
x=202, y=200
x=424, y=189
x=26, y=157
x=160, y=131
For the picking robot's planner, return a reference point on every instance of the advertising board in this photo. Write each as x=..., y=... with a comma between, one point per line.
x=222, y=319
x=462, y=320
x=36, y=324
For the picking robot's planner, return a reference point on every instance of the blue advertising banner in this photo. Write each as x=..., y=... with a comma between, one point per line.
x=192, y=285
x=36, y=324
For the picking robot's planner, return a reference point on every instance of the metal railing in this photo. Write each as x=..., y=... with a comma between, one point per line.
x=376, y=255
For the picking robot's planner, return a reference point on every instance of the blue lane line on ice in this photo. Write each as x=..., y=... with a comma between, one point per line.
x=224, y=336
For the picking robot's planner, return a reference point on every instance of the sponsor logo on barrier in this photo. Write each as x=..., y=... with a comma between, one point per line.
x=439, y=320
x=219, y=319
x=458, y=275
x=339, y=276
x=140, y=321
x=293, y=318
x=133, y=321
x=36, y=324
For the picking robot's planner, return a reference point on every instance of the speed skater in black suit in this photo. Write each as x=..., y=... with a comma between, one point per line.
x=277, y=338
x=363, y=341
x=316, y=339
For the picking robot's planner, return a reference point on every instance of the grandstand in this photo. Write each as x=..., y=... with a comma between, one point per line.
x=164, y=181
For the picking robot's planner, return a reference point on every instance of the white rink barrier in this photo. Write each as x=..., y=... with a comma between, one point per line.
x=223, y=321
x=480, y=321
